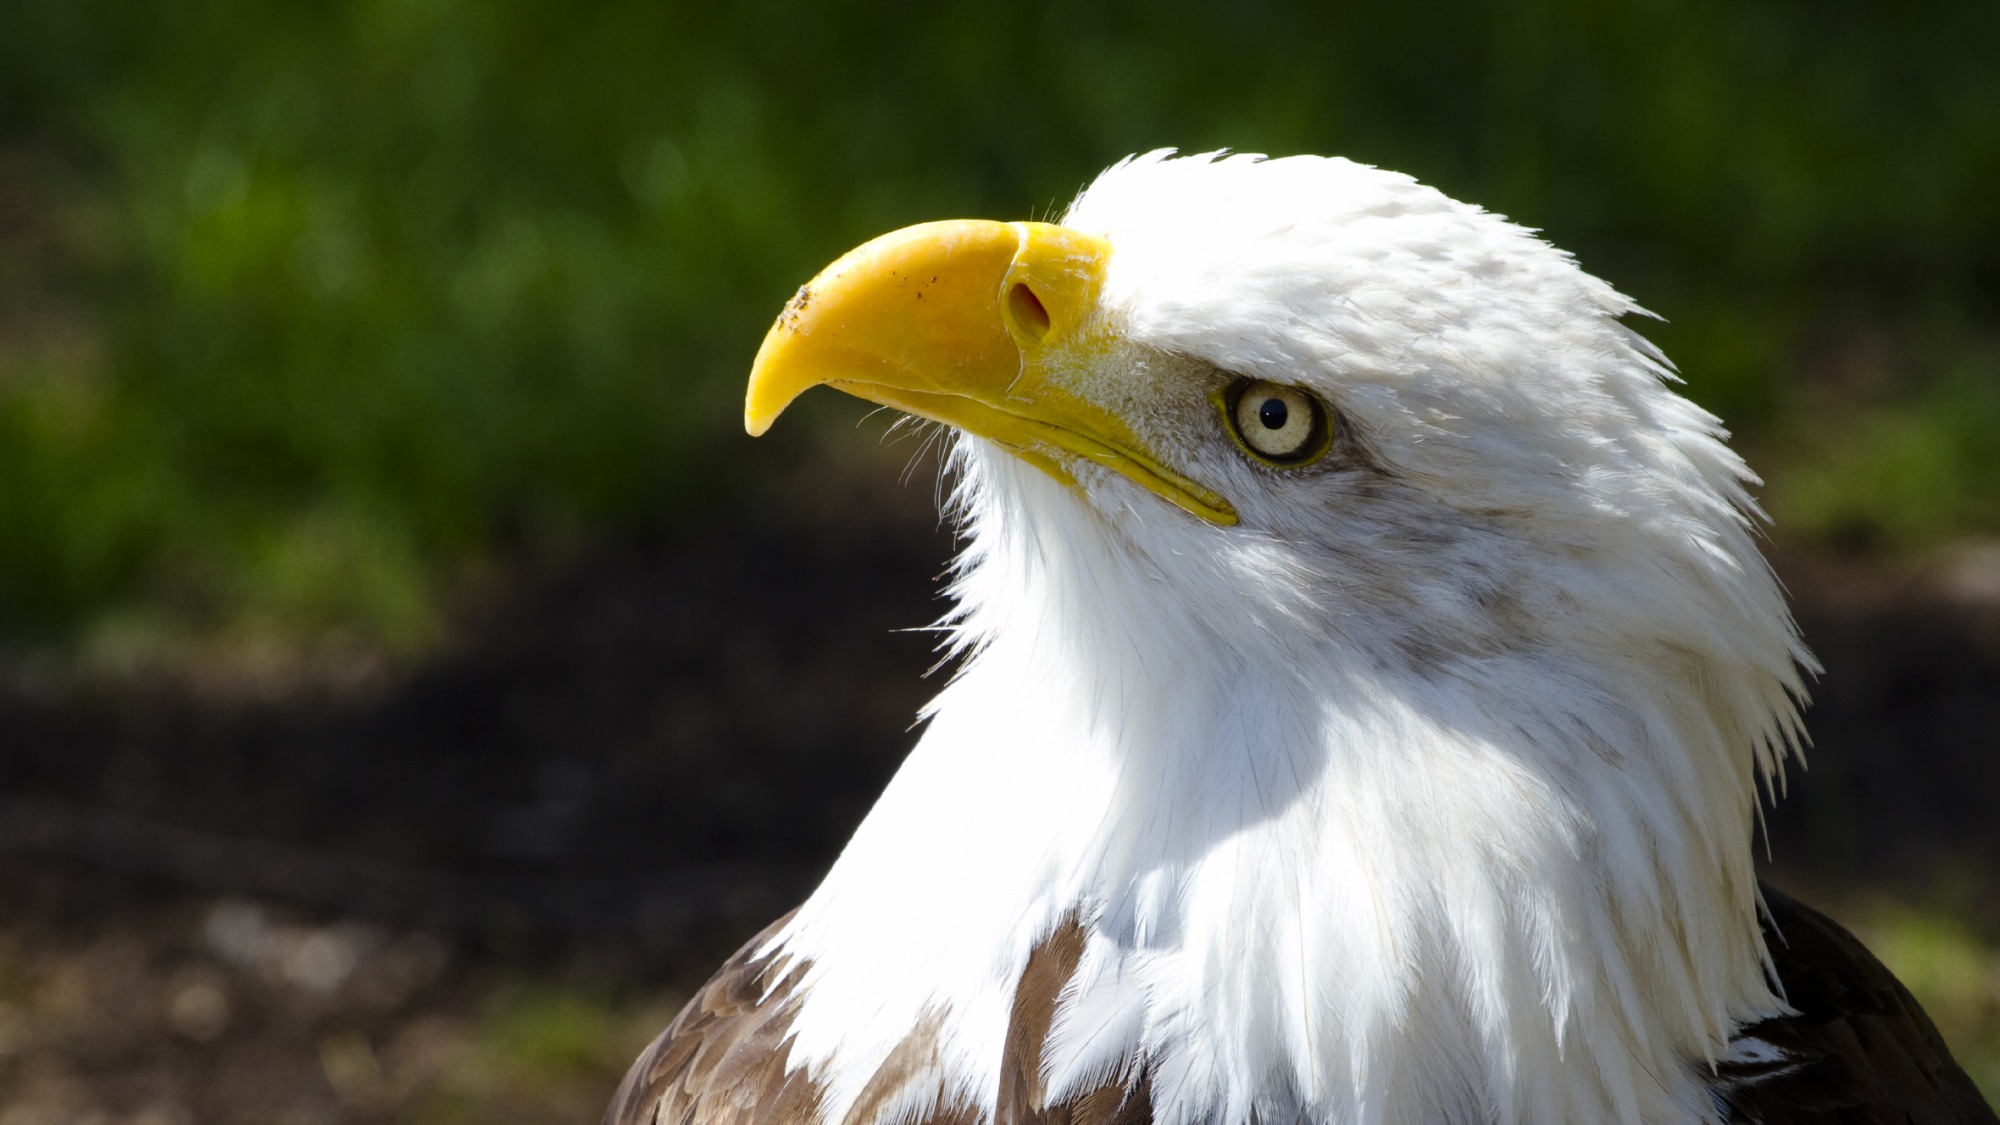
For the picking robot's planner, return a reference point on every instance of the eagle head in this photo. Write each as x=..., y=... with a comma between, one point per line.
x=1317, y=410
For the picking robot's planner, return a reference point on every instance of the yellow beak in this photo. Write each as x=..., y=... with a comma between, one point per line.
x=979, y=325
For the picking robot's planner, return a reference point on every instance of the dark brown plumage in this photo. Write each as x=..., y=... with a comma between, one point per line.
x=1859, y=1052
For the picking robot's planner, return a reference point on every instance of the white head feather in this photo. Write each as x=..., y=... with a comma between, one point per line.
x=1423, y=794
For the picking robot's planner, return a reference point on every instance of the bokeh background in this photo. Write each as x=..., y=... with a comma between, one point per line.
x=411, y=681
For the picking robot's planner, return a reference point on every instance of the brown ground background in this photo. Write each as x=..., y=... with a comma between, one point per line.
x=468, y=890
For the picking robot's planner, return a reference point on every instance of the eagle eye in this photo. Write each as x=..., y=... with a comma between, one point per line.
x=1276, y=424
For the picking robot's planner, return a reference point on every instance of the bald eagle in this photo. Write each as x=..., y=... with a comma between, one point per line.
x=1367, y=673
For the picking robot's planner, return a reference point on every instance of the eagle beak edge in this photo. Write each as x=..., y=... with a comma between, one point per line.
x=916, y=310
x=970, y=323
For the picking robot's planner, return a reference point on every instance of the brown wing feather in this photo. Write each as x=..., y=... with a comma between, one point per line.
x=912, y=1081
x=722, y=1060
x=1860, y=1051
x=1123, y=1101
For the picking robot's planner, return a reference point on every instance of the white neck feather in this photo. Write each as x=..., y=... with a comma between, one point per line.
x=1513, y=889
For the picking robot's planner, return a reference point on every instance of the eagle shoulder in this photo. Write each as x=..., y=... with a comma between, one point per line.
x=722, y=1061
x=1859, y=1051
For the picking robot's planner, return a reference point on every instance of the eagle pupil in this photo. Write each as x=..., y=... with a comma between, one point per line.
x=1273, y=414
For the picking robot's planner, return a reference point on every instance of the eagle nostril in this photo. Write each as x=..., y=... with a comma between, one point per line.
x=1026, y=315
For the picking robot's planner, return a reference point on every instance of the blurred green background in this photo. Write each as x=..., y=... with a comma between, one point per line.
x=310, y=312
x=315, y=317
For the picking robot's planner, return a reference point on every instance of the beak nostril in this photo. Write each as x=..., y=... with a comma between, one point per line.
x=1026, y=314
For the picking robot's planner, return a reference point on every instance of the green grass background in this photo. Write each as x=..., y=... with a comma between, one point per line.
x=309, y=312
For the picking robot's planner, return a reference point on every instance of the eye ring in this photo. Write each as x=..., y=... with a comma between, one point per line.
x=1275, y=424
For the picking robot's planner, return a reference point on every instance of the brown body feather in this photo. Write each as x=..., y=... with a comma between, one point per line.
x=722, y=1060
x=1859, y=1052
